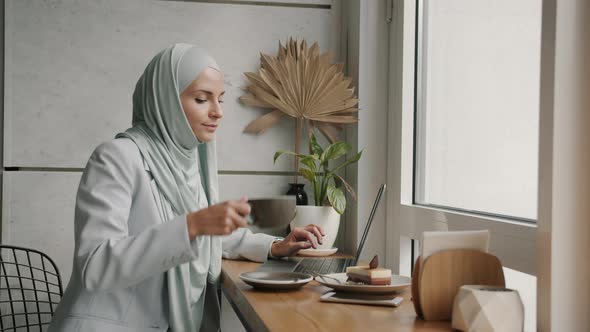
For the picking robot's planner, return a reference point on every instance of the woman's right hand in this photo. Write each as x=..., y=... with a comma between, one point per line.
x=219, y=219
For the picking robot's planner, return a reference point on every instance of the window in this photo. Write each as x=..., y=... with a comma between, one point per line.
x=477, y=106
x=440, y=107
x=464, y=114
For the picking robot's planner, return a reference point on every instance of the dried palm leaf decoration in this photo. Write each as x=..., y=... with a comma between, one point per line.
x=304, y=84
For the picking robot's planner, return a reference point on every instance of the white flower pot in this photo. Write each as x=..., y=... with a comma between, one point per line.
x=324, y=216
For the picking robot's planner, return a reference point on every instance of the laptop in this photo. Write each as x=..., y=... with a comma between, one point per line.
x=326, y=264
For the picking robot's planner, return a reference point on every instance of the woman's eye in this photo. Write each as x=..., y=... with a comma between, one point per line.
x=200, y=101
x=221, y=101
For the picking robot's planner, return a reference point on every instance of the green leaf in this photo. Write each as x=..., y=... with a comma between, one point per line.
x=348, y=162
x=348, y=187
x=309, y=161
x=314, y=147
x=308, y=174
x=336, y=150
x=337, y=199
x=281, y=152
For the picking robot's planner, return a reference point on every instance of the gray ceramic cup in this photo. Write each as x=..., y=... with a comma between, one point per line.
x=272, y=212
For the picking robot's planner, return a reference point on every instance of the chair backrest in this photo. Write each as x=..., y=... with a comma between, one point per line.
x=30, y=289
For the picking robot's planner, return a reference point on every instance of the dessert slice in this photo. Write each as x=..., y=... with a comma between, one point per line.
x=370, y=275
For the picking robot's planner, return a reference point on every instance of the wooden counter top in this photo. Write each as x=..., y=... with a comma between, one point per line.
x=301, y=310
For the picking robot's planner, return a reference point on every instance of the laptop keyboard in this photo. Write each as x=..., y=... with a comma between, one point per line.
x=323, y=265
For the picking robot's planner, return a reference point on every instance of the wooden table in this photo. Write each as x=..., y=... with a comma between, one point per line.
x=301, y=310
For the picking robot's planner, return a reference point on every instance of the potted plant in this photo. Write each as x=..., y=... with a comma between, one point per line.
x=303, y=84
x=330, y=202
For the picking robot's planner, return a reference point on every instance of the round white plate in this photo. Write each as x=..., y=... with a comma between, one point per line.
x=275, y=280
x=398, y=283
x=317, y=252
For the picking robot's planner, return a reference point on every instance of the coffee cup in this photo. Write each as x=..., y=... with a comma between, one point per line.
x=272, y=212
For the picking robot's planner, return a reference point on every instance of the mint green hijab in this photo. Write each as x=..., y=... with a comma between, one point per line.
x=184, y=170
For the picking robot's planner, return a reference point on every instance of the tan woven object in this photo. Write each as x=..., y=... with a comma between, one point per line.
x=303, y=84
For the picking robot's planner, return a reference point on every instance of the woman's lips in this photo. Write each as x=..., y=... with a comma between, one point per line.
x=210, y=128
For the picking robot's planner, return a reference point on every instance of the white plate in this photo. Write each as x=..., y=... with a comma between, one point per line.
x=275, y=280
x=317, y=252
x=398, y=283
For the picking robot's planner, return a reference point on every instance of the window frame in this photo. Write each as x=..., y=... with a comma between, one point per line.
x=513, y=241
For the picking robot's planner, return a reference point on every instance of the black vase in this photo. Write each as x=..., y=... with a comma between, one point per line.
x=296, y=189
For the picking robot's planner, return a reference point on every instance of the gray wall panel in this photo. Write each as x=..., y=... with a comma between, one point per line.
x=38, y=212
x=72, y=66
x=1, y=99
x=271, y=3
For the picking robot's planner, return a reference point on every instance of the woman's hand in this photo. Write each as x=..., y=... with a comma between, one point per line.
x=299, y=238
x=219, y=219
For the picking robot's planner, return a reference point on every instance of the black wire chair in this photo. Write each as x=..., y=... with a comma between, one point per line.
x=30, y=289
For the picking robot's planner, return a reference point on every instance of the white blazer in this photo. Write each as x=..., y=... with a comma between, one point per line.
x=123, y=249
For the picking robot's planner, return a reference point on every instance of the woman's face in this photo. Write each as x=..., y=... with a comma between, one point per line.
x=201, y=102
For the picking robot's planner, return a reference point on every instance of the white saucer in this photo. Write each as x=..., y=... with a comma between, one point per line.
x=398, y=283
x=317, y=252
x=275, y=280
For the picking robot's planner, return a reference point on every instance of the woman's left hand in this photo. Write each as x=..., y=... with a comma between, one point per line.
x=307, y=237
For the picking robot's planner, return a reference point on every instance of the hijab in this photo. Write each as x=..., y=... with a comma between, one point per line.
x=183, y=169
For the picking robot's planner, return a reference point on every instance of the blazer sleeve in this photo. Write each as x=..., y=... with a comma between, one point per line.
x=106, y=256
x=243, y=244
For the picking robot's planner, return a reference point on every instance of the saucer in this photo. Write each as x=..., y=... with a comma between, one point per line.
x=398, y=283
x=275, y=280
x=317, y=252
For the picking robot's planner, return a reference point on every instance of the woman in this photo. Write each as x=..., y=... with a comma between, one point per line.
x=149, y=233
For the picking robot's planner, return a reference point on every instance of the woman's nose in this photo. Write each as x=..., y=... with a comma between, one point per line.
x=216, y=111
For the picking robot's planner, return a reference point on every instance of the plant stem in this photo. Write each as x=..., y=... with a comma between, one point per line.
x=316, y=189
x=325, y=181
x=298, y=128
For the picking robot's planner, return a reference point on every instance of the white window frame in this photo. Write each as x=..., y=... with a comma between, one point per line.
x=514, y=242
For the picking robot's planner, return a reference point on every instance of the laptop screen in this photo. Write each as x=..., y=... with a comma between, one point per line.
x=369, y=222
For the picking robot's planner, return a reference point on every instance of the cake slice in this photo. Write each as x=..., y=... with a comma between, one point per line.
x=370, y=275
